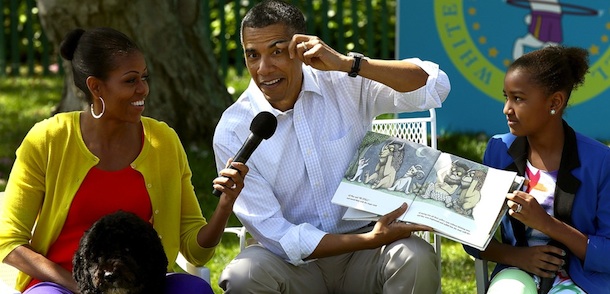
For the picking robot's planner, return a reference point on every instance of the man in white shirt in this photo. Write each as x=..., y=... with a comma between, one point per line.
x=324, y=103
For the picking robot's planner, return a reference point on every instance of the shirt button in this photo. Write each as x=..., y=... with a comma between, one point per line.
x=157, y=211
x=149, y=185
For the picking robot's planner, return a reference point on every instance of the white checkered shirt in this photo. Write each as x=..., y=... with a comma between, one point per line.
x=286, y=202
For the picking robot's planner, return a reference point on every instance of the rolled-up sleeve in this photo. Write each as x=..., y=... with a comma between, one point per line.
x=433, y=94
x=384, y=99
x=300, y=241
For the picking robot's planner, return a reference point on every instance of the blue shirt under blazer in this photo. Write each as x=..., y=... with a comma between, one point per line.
x=582, y=194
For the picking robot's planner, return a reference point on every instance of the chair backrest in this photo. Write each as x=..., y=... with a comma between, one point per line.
x=421, y=130
x=414, y=129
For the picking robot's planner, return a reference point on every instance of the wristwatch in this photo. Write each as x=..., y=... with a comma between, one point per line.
x=356, y=65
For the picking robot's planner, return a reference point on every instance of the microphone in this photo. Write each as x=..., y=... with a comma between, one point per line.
x=262, y=127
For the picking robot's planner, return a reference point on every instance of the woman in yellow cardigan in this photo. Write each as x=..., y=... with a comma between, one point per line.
x=73, y=168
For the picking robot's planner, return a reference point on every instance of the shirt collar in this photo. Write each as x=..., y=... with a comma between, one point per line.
x=310, y=83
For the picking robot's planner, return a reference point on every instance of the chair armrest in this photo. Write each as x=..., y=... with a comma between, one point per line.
x=199, y=271
x=202, y=271
x=241, y=234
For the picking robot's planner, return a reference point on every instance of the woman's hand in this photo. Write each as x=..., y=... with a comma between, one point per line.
x=230, y=182
x=40, y=267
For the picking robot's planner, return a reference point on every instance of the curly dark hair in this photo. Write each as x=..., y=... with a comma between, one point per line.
x=120, y=253
x=555, y=68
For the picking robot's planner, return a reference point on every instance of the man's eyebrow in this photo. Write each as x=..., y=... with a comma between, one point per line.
x=272, y=45
x=275, y=44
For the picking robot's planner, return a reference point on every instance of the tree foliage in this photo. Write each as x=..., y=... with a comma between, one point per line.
x=187, y=42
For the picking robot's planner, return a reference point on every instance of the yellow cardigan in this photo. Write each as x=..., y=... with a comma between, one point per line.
x=53, y=160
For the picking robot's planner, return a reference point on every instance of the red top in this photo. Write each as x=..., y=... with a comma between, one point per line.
x=102, y=192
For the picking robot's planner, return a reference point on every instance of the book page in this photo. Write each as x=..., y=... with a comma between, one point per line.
x=354, y=214
x=461, y=200
x=385, y=173
x=359, y=215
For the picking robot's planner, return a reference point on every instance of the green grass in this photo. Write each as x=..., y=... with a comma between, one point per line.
x=24, y=101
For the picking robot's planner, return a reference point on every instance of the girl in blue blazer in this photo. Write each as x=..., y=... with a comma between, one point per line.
x=556, y=233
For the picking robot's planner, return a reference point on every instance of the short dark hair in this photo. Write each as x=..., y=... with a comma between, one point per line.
x=270, y=12
x=93, y=52
x=555, y=68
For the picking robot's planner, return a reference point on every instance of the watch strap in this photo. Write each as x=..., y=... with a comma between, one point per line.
x=356, y=64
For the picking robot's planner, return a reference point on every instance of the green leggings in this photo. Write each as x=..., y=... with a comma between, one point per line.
x=513, y=280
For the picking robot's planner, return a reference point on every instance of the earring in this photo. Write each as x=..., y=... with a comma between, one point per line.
x=553, y=112
x=97, y=116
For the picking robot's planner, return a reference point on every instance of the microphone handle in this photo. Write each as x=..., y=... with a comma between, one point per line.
x=243, y=154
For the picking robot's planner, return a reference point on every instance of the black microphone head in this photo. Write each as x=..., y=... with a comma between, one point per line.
x=263, y=125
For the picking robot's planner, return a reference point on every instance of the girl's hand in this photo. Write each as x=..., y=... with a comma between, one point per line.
x=525, y=208
x=544, y=261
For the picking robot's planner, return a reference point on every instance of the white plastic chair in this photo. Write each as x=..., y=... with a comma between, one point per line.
x=421, y=130
x=414, y=129
x=8, y=274
x=241, y=234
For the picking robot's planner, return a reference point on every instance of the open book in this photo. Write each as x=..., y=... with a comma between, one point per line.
x=460, y=199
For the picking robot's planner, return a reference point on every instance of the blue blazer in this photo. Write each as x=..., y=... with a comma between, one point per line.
x=582, y=199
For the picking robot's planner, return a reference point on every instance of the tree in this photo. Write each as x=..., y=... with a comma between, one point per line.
x=186, y=90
